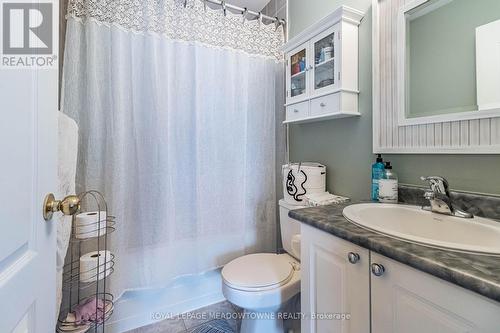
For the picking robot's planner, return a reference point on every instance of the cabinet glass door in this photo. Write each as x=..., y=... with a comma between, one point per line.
x=325, y=60
x=297, y=73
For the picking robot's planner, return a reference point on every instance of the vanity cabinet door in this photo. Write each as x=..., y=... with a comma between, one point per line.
x=408, y=300
x=334, y=291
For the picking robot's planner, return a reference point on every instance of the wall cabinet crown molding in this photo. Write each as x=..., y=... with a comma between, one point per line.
x=343, y=13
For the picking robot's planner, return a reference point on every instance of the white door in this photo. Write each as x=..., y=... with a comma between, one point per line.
x=410, y=301
x=28, y=170
x=335, y=294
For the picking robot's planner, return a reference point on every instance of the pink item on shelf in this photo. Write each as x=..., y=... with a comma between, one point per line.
x=92, y=310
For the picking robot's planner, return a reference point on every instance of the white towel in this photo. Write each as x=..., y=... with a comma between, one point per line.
x=67, y=145
x=323, y=198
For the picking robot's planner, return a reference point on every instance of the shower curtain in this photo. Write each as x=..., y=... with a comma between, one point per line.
x=176, y=113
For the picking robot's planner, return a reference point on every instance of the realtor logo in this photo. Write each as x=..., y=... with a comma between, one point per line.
x=27, y=34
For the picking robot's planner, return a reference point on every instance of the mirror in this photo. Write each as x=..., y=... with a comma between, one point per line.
x=448, y=60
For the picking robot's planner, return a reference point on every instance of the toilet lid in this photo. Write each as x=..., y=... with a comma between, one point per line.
x=259, y=271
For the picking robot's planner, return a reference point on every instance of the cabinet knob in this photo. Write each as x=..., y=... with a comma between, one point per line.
x=378, y=269
x=353, y=257
x=322, y=104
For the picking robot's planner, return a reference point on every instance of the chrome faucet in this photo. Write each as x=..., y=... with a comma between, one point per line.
x=439, y=198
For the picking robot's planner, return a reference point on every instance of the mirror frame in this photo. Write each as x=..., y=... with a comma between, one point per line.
x=402, y=50
x=461, y=133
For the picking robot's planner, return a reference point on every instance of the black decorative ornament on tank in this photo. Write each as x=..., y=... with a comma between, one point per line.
x=302, y=178
x=292, y=189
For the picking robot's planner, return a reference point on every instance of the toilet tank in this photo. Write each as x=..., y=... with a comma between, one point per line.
x=290, y=229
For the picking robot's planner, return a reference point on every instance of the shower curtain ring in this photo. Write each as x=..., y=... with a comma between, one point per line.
x=244, y=14
x=223, y=4
x=260, y=17
x=277, y=23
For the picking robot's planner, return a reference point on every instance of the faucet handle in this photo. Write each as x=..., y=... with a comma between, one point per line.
x=429, y=195
x=438, y=184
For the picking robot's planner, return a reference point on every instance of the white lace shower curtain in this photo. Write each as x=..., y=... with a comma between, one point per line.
x=176, y=115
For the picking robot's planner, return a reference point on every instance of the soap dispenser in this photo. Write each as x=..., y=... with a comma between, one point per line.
x=388, y=185
x=377, y=174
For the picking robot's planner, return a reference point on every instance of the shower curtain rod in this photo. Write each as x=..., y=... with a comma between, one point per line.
x=225, y=5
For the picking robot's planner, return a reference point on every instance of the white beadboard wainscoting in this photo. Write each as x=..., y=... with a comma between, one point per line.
x=470, y=136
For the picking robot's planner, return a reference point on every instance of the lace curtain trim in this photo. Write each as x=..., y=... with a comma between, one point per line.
x=193, y=23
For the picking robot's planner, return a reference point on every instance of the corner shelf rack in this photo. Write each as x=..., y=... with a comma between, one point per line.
x=75, y=291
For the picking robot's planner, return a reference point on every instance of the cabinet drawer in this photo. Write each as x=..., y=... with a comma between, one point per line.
x=325, y=104
x=297, y=111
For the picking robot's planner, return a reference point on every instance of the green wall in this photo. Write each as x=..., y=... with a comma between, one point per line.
x=345, y=145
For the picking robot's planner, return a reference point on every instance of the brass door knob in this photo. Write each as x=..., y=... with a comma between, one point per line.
x=68, y=206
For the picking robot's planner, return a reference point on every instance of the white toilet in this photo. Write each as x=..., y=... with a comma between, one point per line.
x=262, y=283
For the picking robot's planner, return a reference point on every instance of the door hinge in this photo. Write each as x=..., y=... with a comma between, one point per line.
x=339, y=34
x=339, y=76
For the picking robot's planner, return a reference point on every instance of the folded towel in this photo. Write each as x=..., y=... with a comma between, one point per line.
x=91, y=310
x=323, y=198
x=67, y=146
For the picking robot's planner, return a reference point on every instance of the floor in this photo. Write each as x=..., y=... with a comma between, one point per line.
x=221, y=317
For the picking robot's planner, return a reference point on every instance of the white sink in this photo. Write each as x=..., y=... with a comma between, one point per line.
x=411, y=223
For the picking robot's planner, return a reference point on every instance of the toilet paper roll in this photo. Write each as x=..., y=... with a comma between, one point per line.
x=87, y=224
x=90, y=218
x=83, y=232
x=92, y=262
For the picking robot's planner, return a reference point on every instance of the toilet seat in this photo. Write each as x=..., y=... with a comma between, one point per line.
x=258, y=272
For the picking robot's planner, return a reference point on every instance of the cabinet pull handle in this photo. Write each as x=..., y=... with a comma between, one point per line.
x=322, y=104
x=378, y=269
x=353, y=257
x=295, y=110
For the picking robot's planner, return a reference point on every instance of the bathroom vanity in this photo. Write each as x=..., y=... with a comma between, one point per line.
x=356, y=280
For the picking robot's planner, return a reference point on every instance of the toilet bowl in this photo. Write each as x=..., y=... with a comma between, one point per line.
x=263, y=283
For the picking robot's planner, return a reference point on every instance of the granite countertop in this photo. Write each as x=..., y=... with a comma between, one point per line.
x=478, y=273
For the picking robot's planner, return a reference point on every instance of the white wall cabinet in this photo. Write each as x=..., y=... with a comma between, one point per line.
x=322, y=69
x=332, y=285
x=398, y=298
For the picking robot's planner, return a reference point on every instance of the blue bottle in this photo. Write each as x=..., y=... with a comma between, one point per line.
x=378, y=170
x=302, y=64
